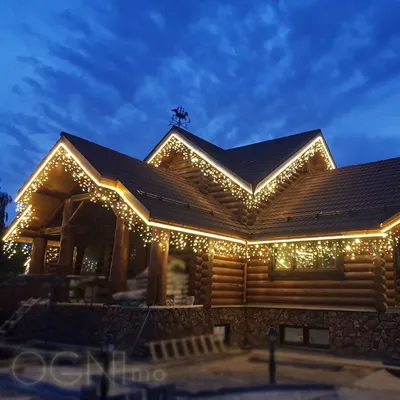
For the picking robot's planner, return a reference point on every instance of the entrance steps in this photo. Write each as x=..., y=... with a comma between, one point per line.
x=187, y=348
x=24, y=308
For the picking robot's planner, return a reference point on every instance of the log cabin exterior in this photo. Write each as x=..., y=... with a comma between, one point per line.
x=273, y=225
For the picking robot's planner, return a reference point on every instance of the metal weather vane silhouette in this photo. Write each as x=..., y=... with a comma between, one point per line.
x=180, y=117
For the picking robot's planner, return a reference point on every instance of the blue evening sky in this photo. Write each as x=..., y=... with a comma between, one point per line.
x=246, y=70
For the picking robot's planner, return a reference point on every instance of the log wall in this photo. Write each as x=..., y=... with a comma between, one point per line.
x=359, y=288
x=185, y=169
x=227, y=281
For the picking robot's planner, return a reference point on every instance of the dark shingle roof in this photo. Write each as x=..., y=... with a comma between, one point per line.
x=170, y=198
x=357, y=197
x=256, y=161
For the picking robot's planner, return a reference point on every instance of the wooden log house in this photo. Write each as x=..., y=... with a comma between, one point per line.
x=272, y=224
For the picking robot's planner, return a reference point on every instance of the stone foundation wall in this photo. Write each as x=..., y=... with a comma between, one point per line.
x=87, y=325
x=351, y=333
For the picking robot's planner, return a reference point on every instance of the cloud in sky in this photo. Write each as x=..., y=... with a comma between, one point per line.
x=245, y=71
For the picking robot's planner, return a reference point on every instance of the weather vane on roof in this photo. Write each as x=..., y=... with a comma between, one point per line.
x=180, y=117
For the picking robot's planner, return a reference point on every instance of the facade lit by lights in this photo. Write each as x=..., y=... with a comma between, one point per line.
x=237, y=239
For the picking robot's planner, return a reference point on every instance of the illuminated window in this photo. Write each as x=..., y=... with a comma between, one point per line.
x=306, y=256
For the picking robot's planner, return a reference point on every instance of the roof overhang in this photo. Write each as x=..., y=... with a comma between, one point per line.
x=391, y=222
x=234, y=177
x=293, y=159
x=320, y=237
x=201, y=153
x=144, y=213
x=111, y=184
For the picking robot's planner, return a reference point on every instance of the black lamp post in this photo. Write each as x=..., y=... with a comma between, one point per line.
x=272, y=336
x=107, y=349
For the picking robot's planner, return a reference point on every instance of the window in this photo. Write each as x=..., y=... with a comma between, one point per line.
x=300, y=258
x=304, y=336
x=222, y=332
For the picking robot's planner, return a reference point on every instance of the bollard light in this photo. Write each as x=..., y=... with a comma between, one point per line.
x=272, y=337
x=107, y=348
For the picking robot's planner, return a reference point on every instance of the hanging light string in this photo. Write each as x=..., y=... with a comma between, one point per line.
x=111, y=200
x=326, y=248
x=180, y=240
x=251, y=200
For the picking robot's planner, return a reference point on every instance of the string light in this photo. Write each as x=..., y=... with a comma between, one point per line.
x=52, y=254
x=325, y=250
x=22, y=221
x=251, y=200
x=110, y=199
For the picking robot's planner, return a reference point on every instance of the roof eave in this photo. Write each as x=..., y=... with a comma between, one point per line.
x=320, y=236
x=293, y=158
x=204, y=155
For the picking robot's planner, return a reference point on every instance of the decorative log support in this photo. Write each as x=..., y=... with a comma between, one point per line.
x=206, y=279
x=65, y=259
x=120, y=257
x=380, y=284
x=157, y=282
x=38, y=255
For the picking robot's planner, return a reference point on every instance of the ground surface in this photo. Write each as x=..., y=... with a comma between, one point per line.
x=353, y=379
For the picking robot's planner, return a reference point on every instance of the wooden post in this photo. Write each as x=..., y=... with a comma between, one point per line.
x=65, y=260
x=380, y=284
x=38, y=255
x=120, y=257
x=206, y=277
x=80, y=253
x=157, y=278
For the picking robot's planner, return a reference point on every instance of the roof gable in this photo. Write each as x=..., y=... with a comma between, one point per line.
x=248, y=166
x=168, y=197
x=358, y=197
x=256, y=161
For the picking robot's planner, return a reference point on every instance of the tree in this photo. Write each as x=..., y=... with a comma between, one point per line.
x=14, y=265
x=5, y=200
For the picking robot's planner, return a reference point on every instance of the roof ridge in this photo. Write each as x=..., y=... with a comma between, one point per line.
x=356, y=165
x=66, y=134
x=317, y=131
x=186, y=132
x=370, y=162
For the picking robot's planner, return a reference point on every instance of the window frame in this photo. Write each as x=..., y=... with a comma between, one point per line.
x=306, y=337
x=315, y=273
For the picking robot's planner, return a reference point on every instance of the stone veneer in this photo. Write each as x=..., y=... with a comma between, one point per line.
x=351, y=332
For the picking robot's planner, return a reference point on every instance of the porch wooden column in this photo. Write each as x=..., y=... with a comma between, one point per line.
x=38, y=255
x=120, y=257
x=157, y=278
x=66, y=240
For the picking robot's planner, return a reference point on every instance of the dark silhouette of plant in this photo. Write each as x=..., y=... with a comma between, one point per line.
x=5, y=200
x=8, y=266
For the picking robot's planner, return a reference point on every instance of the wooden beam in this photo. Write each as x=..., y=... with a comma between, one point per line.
x=120, y=258
x=52, y=193
x=80, y=205
x=66, y=240
x=80, y=197
x=157, y=277
x=52, y=231
x=29, y=233
x=38, y=255
x=53, y=214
